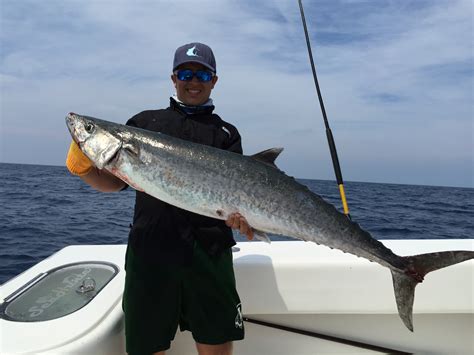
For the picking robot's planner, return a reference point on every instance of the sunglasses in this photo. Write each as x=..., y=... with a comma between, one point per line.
x=203, y=76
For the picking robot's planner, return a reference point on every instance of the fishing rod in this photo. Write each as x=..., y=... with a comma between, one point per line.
x=332, y=144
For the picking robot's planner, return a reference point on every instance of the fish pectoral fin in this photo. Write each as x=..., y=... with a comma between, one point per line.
x=268, y=156
x=131, y=148
x=108, y=154
x=261, y=236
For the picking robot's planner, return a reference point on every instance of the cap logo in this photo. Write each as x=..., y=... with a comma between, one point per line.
x=192, y=52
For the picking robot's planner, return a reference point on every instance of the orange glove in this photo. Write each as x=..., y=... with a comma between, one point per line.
x=76, y=161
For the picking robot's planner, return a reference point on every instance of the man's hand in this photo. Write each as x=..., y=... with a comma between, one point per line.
x=80, y=165
x=237, y=221
x=76, y=162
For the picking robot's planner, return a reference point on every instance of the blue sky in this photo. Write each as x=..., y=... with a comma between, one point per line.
x=396, y=78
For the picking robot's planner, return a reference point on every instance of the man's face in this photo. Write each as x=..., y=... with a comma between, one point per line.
x=193, y=92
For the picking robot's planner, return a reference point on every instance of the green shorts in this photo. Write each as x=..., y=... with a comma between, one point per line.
x=201, y=298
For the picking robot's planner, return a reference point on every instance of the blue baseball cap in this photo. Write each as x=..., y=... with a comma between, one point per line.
x=195, y=52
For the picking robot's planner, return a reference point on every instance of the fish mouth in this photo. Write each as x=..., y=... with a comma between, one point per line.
x=97, y=143
x=71, y=125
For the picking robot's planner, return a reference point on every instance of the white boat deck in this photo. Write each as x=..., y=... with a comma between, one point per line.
x=291, y=283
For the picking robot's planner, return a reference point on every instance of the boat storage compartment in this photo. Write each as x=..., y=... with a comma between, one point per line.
x=58, y=292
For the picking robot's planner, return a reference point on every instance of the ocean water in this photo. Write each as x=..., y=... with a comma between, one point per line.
x=44, y=208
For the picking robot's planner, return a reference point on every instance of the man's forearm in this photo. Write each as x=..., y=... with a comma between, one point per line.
x=102, y=180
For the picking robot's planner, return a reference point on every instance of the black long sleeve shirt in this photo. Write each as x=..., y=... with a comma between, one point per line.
x=162, y=233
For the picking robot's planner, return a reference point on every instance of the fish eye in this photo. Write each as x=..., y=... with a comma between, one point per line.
x=89, y=127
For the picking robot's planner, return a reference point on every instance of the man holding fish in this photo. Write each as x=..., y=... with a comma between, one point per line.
x=217, y=183
x=179, y=264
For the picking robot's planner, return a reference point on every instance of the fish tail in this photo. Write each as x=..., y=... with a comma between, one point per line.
x=405, y=281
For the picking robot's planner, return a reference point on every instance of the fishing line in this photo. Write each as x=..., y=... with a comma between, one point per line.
x=332, y=144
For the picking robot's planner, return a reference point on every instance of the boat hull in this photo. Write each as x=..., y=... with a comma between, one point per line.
x=296, y=284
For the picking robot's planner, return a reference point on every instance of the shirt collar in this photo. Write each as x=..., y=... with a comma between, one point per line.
x=177, y=104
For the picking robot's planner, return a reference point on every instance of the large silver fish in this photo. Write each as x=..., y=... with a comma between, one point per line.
x=216, y=183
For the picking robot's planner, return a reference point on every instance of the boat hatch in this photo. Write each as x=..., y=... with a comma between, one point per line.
x=58, y=292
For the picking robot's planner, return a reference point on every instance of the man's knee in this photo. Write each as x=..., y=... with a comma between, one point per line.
x=221, y=349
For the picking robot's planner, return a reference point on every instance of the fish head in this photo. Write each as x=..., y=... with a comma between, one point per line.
x=98, y=140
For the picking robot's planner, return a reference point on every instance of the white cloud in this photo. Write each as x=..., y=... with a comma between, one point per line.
x=396, y=77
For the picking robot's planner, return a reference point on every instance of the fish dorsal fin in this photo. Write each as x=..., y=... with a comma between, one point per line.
x=268, y=156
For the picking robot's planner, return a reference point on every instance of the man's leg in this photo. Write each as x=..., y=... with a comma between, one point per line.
x=221, y=349
x=151, y=306
x=211, y=307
